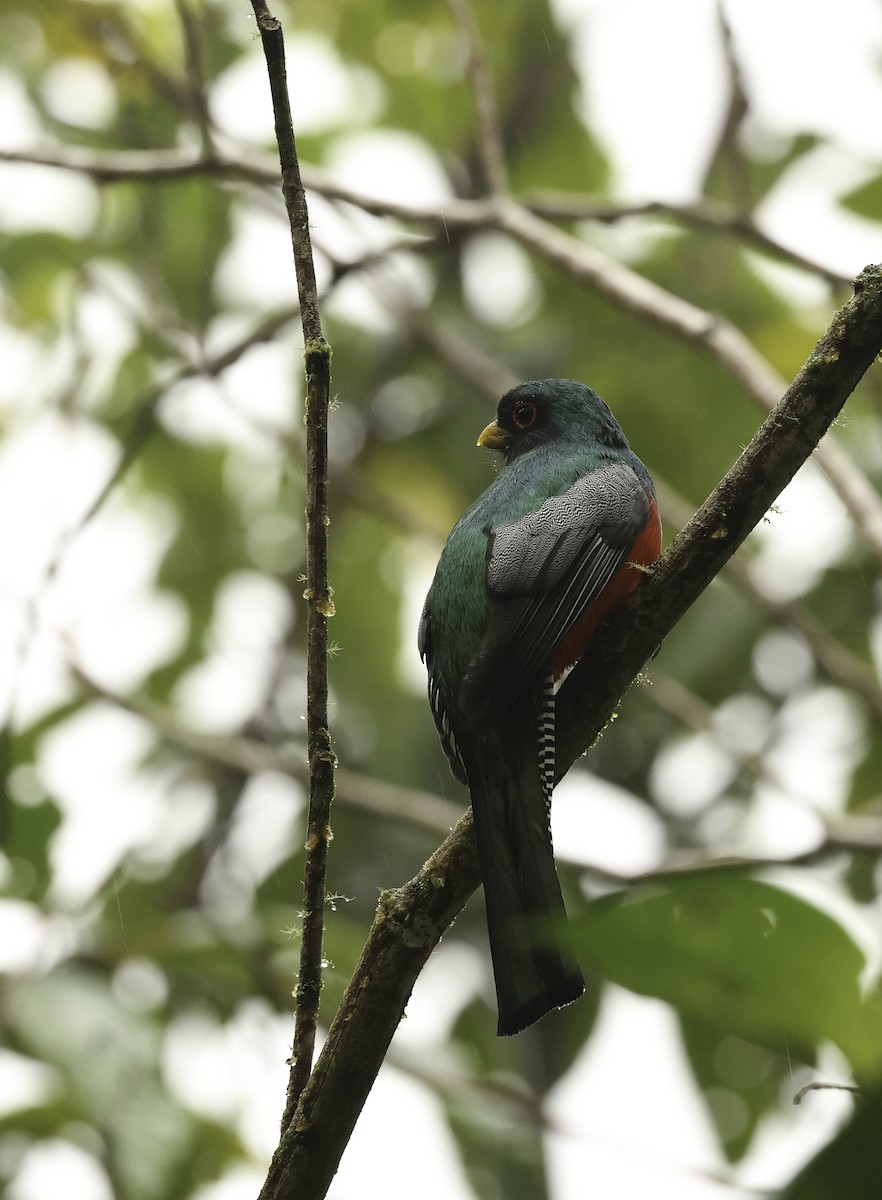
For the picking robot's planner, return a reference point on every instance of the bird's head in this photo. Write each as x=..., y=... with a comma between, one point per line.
x=551, y=411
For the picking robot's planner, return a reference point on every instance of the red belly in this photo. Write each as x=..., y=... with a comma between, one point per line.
x=644, y=552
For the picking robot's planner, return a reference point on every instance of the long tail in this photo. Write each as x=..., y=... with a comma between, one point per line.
x=535, y=971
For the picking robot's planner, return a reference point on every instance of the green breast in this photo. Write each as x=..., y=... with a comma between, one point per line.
x=460, y=605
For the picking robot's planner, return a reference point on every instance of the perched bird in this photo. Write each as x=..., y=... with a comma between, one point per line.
x=527, y=575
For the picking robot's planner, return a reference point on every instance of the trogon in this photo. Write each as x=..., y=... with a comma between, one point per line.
x=526, y=577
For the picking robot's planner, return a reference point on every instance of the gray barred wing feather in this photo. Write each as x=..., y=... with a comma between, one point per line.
x=544, y=571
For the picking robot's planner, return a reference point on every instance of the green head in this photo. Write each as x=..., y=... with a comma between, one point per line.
x=551, y=410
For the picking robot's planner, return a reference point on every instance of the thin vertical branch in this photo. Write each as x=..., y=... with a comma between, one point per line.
x=728, y=155
x=317, y=356
x=191, y=31
x=490, y=142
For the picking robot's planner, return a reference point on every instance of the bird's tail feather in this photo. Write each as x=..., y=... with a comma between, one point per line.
x=534, y=969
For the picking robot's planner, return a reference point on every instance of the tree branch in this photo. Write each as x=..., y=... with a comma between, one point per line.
x=489, y=126
x=859, y=837
x=835, y=660
x=785, y=440
x=710, y=215
x=610, y=278
x=410, y=920
x=158, y=166
x=317, y=355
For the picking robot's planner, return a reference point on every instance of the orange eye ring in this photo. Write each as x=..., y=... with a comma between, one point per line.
x=524, y=414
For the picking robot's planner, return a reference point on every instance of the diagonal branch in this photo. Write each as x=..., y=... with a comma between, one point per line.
x=411, y=920
x=784, y=441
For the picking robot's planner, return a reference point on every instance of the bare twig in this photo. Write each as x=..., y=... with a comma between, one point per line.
x=728, y=154
x=489, y=126
x=710, y=215
x=817, y=1087
x=157, y=166
x=148, y=166
x=317, y=355
x=192, y=31
x=610, y=278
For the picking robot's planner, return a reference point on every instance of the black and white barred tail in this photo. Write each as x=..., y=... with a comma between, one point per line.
x=546, y=745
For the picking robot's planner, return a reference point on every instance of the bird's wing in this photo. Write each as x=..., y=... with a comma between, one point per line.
x=545, y=570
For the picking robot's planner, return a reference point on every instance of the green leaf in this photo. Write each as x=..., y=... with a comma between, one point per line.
x=33, y=264
x=865, y=200
x=748, y=957
x=27, y=844
x=109, y=1059
x=740, y=1081
x=501, y=1151
x=764, y=171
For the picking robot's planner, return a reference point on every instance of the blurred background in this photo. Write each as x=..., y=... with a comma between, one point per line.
x=151, y=567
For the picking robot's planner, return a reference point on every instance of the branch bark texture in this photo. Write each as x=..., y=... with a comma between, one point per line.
x=780, y=446
x=411, y=920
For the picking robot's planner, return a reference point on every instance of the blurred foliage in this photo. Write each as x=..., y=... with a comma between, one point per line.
x=727, y=949
x=190, y=918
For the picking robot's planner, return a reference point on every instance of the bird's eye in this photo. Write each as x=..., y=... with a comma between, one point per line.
x=524, y=414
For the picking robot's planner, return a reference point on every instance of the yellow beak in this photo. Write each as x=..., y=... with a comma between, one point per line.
x=494, y=437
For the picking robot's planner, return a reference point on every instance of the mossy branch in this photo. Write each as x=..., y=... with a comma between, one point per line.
x=410, y=921
x=736, y=506
x=319, y=606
